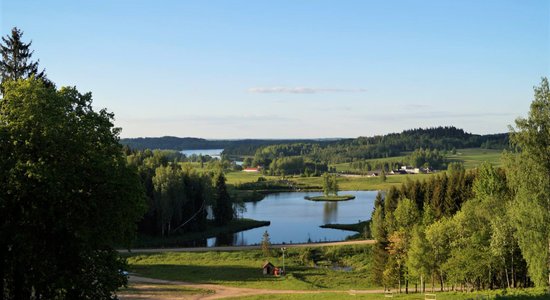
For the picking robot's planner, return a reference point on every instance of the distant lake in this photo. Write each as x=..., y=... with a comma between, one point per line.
x=294, y=219
x=215, y=153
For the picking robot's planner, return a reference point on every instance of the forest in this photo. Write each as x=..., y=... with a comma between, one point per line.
x=480, y=229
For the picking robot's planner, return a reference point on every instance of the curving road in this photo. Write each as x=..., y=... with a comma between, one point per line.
x=144, y=285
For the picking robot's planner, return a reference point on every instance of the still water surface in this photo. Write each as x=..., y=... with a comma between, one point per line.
x=215, y=153
x=296, y=220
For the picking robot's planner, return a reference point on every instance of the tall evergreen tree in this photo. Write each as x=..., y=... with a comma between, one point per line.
x=223, y=207
x=16, y=59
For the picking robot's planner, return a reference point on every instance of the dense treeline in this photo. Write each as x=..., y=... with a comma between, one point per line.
x=426, y=145
x=336, y=151
x=178, y=195
x=426, y=158
x=486, y=228
x=231, y=147
x=395, y=144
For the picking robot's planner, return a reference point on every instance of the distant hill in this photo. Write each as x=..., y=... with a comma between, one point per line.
x=189, y=143
x=393, y=144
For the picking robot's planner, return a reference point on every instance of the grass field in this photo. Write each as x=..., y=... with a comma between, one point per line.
x=519, y=294
x=160, y=290
x=475, y=156
x=244, y=268
x=240, y=177
x=364, y=183
x=470, y=157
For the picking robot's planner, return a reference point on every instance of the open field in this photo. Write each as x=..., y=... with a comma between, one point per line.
x=471, y=157
x=475, y=156
x=363, y=183
x=244, y=268
x=240, y=177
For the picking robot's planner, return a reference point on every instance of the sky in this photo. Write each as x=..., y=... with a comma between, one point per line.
x=293, y=69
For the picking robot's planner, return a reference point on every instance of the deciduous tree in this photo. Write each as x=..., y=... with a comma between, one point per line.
x=67, y=195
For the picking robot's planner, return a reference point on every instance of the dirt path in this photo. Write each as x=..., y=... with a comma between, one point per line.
x=219, y=291
x=252, y=247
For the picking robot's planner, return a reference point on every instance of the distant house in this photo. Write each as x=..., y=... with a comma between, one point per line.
x=252, y=170
x=268, y=268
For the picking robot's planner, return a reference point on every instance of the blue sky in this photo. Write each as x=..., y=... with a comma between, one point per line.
x=293, y=69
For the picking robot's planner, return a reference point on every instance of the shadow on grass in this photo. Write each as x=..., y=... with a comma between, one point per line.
x=524, y=297
x=203, y=274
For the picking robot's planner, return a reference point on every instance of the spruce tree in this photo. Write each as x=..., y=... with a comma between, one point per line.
x=223, y=207
x=16, y=59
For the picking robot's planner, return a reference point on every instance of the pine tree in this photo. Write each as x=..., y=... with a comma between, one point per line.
x=16, y=59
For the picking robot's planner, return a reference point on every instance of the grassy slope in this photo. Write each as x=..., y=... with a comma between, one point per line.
x=243, y=268
x=475, y=156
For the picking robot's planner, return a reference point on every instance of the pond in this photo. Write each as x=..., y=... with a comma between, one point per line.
x=296, y=220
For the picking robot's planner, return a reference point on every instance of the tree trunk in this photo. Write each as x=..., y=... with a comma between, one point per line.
x=422, y=283
x=399, y=283
x=406, y=286
x=433, y=282
x=548, y=257
x=513, y=274
x=507, y=278
x=441, y=280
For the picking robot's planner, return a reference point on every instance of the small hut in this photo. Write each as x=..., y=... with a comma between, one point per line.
x=268, y=268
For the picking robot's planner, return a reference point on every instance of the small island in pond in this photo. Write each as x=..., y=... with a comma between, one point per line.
x=330, y=198
x=330, y=190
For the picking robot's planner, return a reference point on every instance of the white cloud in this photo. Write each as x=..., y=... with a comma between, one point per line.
x=301, y=90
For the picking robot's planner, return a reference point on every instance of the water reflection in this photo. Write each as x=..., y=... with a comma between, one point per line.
x=227, y=239
x=330, y=212
x=295, y=220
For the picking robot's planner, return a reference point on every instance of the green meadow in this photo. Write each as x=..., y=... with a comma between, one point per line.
x=244, y=268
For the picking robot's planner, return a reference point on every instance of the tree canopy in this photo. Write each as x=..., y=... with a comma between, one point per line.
x=67, y=195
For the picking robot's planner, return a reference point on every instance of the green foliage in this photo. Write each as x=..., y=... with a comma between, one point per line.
x=426, y=158
x=222, y=207
x=67, y=195
x=529, y=166
x=177, y=193
x=330, y=184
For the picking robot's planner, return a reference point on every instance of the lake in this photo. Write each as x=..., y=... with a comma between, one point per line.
x=215, y=153
x=296, y=220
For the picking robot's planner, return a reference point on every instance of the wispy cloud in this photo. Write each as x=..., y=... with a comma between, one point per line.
x=301, y=90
